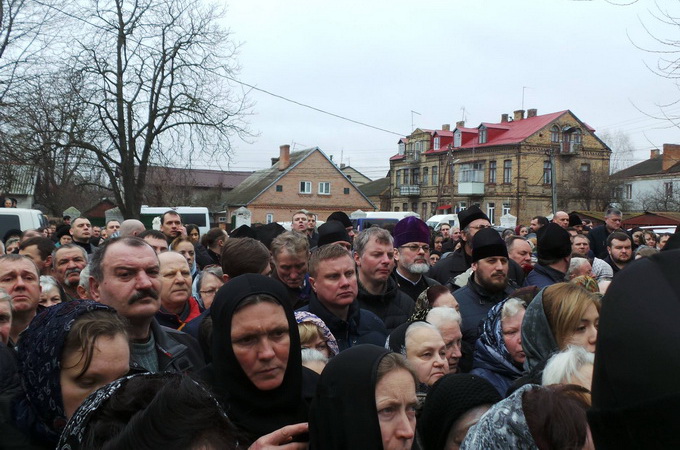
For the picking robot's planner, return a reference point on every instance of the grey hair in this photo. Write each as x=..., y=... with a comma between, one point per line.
x=612, y=212
x=5, y=297
x=564, y=367
x=512, y=307
x=85, y=279
x=417, y=326
x=380, y=234
x=575, y=264
x=437, y=316
x=65, y=247
x=313, y=355
x=48, y=282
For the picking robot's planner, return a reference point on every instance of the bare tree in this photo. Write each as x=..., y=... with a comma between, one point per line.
x=662, y=198
x=155, y=87
x=622, y=149
x=586, y=189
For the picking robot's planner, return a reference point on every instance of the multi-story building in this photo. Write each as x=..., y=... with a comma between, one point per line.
x=505, y=167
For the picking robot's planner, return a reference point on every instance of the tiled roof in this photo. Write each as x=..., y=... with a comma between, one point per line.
x=196, y=177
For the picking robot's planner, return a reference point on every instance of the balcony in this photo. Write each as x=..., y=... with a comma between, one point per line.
x=409, y=190
x=470, y=188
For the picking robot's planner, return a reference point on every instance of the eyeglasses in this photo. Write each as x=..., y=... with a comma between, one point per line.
x=480, y=227
x=415, y=248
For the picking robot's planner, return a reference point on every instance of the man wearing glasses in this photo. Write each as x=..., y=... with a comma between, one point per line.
x=412, y=253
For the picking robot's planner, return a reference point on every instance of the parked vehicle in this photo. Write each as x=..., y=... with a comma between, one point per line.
x=363, y=220
x=21, y=219
x=436, y=221
x=197, y=215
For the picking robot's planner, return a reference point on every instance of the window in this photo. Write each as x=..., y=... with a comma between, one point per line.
x=506, y=208
x=507, y=171
x=398, y=178
x=577, y=137
x=437, y=143
x=402, y=148
x=305, y=187
x=492, y=172
x=435, y=175
x=555, y=134
x=345, y=191
x=457, y=139
x=418, y=150
x=472, y=172
x=433, y=208
x=491, y=211
x=462, y=206
x=482, y=134
x=547, y=172
x=269, y=218
x=585, y=168
x=404, y=207
x=629, y=191
x=406, y=174
x=668, y=189
x=414, y=207
x=324, y=188
x=423, y=210
x=279, y=188
x=425, y=175
x=415, y=176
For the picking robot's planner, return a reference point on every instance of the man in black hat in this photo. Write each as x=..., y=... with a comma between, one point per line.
x=489, y=283
x=554, y=256
x=345, y=220
x=334, y=232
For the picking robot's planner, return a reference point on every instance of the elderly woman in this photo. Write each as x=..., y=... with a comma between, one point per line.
x=571, y=366
x=51, y=292
x=499, y=357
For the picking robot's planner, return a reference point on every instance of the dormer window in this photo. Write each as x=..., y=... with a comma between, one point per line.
x=577, y=136
x=482, y=135
x=555, y=134
x=437, y=143
x=457, y=139
x=402, y=148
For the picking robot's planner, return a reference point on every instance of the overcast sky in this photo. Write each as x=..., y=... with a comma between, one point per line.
x=375, y=61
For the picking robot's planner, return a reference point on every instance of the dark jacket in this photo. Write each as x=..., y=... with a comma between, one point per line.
x=491, y=366
x=393, y=306
x=543, y=276
x=598, y=240
x=202, y=257
x=191, y=311
x=177, y=351
x=475, y=302
x=361, y=326
x=614, y=267
x=298, y=297
x=413, y=290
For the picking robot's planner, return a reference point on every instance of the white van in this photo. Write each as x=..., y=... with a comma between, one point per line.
x=21, y=219
x=363, y=220
x=436, y=221
x=197, y=215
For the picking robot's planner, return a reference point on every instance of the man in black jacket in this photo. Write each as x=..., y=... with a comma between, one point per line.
x=598, y=235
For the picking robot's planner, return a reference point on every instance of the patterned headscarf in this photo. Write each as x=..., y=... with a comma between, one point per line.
x=504, y=426
x=40, y=351
x=307, y=317
x=491, y=333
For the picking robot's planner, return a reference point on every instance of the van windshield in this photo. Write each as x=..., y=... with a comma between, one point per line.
x=9, y=222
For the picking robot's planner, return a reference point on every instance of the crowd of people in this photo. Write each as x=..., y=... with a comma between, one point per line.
x=554, y=335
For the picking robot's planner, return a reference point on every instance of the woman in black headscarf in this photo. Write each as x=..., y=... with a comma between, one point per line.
x=256, y=368
x=366, y=399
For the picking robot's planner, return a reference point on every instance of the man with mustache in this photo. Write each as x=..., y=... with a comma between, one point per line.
x=412, y=253
x=67, y=263
x=488, y=284
x=125, y=274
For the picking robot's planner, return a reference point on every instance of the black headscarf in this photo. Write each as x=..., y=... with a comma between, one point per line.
x=343, y=413
x=257, y=412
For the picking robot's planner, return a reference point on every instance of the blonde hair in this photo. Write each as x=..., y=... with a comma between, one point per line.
x=565, y=304
x=308, y=333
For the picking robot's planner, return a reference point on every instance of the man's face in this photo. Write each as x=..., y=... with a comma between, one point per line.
x=112, y=227
x=520, y=252
x=662, y=241
x=613, y=222
x=66, y=239
x=534, y=225
x=69, y=263
x=412, y=257
x=5, y=321
x=21, y=281
x=300, y=222
x=620, y=251
x=581, y=245
x=377, y=261
x=335, y=283
x=474, y=227
x=455, y=234
x=562, y=219
x=311, y=222
x=158, y=245
x=175, y=280
x=291, y=268
x=131, y=281
x=96, y=232
x=491, y=273
x=172, y=225
x=32, y=252
x=81, y=229
x=445, y=230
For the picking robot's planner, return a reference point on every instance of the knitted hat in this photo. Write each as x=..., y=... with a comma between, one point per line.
x=410, y=229
x=332, y=231
x=267, y=233
x=466, y=217
x=340, y=217
x=554, y=242
x=486, y=243
x=575, y=220
x=451, y=397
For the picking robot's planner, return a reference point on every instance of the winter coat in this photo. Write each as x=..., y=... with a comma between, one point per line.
x=393, y=306
x=543, y=276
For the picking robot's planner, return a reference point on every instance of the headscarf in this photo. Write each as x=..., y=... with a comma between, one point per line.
x=307, y=317
x=396, y=341
x=502, y=427
x=491, y=338
x=538, y=340
x=343, y=413
x=41, y=410
x=258, y=412
x=451, y=397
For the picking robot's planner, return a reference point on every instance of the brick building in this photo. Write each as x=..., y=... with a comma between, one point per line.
x=504, y=167
x=306, y=179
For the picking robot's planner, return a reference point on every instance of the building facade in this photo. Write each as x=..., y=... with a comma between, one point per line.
x=506, y=167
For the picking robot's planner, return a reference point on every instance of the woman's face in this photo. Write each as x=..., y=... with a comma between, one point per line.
x=512, y=336
x=110, y=361
x=438, y=243
x=194, y=235
x=585, y=335
x=637, y=238
x=426, y=351
x=650, y=240
x=396, y=401
x=12, y=247
x=523, y=231
x=446, y=299
x=434, y=258
x=260, y=338
x=462, y=425
x=186, y=249
x=50, y=297
x=210, y=284
x=318, y=343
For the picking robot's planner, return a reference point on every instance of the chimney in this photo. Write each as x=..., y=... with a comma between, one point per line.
x=671, y=156
x=342, y=165
x=446, y=127
x=519, y=115
x=654, y=153
x=460, y=124
x=532, y=112
x=504, y=118
x=284, y=157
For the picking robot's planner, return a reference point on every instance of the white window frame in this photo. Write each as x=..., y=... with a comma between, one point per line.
x=437, y=143
x=324, y=188
x=269, y=218
x=483, y=137
x=457, y=139
x=506, y=208
x=305, y=187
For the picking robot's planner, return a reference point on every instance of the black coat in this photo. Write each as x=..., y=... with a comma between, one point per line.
x=393, y=306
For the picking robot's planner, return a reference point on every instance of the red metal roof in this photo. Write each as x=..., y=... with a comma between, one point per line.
x=397, y=157
x=444, y=133
x=517, y=130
